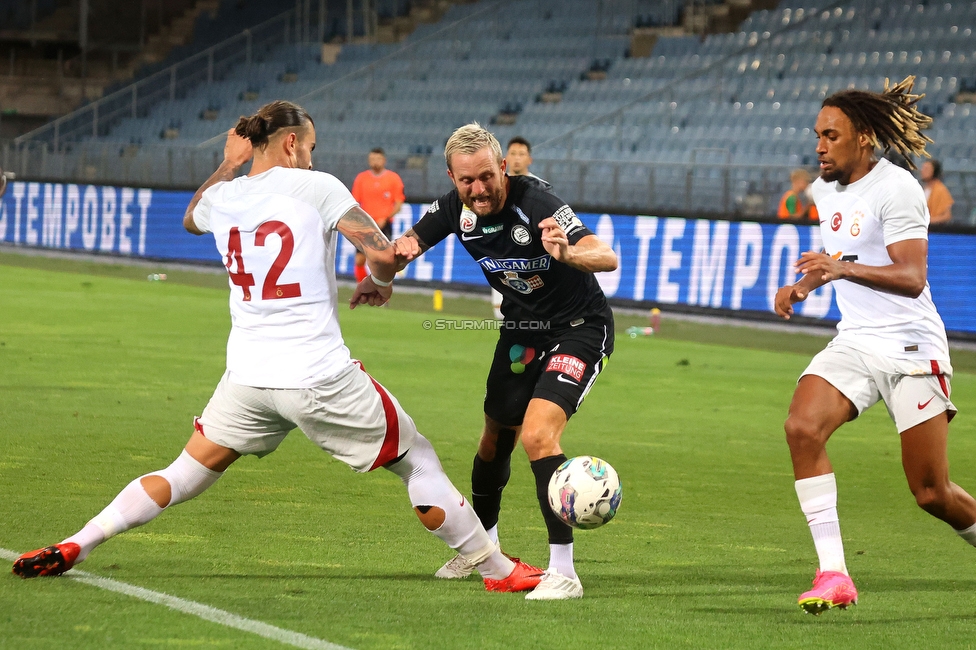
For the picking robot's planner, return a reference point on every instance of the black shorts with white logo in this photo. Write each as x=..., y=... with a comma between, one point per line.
x=557, y=365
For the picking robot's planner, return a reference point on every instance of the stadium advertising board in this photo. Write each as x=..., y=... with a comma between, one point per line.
x=665, y=260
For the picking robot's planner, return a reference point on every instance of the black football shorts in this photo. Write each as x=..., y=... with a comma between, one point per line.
x=559, y=366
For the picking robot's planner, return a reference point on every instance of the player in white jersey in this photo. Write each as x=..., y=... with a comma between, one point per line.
x=891, y=343
x=287, y=365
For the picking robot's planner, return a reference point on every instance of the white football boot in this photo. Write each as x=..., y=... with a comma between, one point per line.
x=556, y=586
x=457, y=567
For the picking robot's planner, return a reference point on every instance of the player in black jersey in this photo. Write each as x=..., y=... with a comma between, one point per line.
x=556, y=336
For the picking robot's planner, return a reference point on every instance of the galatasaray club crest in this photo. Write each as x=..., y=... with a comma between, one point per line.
x=856, y=226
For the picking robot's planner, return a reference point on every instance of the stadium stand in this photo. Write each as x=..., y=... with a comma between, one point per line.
x=15, y=14
x=699, y=125
x=56, y=61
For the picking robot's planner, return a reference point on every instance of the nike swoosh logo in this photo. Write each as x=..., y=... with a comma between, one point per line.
x=465, y=237
x=566, y=380
x=462, y=502
x=922, y=406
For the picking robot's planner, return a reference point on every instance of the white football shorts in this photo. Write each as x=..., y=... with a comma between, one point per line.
x=913, y=390
x=351, y=416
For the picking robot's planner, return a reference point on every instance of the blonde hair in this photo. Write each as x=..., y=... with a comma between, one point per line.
x=798, y=174
x=470, y=139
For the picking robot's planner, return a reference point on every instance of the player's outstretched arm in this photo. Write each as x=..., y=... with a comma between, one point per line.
x=905, y=276
x=360, y=229
x=237, y=151
x=408, y=248
x=588, y=254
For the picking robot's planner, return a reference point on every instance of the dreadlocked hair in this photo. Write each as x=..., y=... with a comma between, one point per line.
x=890, y=118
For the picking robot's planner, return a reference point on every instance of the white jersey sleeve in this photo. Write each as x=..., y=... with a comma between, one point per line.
x=332, y=199
x=201, y=213
x=903, y=211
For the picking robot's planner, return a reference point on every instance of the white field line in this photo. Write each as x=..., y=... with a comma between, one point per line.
x=200, y=610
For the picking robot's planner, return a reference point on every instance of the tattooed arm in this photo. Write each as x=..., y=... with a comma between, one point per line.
x=359, y=228
x=237, y=151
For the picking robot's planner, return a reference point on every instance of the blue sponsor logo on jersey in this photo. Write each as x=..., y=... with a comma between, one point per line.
x=500, y=266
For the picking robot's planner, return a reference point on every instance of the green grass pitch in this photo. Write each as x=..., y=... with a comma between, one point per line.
x=101, y=373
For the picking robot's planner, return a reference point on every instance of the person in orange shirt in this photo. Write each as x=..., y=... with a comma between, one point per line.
x=379, y=192
x=937, y=195
x=794, y=203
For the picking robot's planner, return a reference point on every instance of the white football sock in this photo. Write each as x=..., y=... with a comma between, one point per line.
x=187, y=478
x=968, y=534
x=818, y=500
x=428, y=485
x=134, y=507
x=493, y=534
x=87, y=538
x=561, y=559
x=496, y=566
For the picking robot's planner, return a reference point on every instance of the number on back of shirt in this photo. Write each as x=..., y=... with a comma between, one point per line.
x=239, y=275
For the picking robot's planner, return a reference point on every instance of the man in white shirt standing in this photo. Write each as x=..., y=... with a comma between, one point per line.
x=287, y=365
x=891, y=343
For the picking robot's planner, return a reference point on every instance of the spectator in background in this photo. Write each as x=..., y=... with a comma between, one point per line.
x=937, y=195
x=794, y=204
x=519, y=157
x=379, y=192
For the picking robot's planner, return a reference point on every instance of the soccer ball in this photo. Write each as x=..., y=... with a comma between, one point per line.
x=585, y=492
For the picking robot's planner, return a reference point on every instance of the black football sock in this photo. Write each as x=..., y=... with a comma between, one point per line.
x=559, y=532
x=489, y=478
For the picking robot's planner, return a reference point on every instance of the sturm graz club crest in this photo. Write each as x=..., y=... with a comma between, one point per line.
x=520, y=235
x=521, y=285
